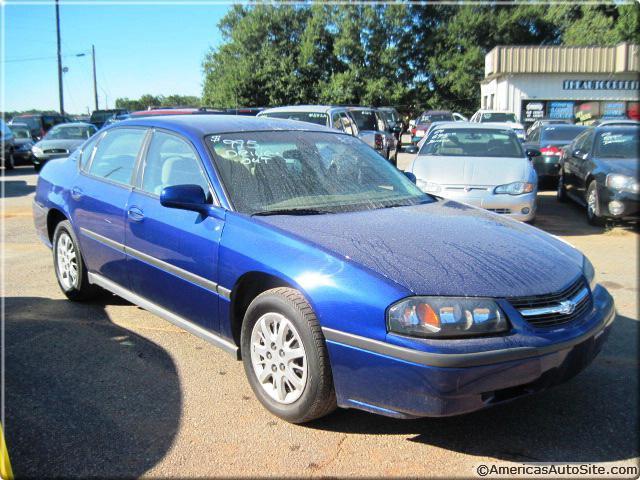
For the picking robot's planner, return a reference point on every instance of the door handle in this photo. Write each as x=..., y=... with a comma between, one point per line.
x=76, y=193
x=135, y=214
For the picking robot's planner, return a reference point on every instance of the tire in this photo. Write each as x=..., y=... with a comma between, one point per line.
x=394, y=161
x=9, y=161
x=37, y=167
x=76, y=287
x=311, y=394
x=593, y=205
x=561, y=190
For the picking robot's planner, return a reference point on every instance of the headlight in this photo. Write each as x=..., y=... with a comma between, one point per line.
x=589, y=273
x=515, y=188
x=36, y=150
x=623, y=183
x=428, y=187
x=445, y=317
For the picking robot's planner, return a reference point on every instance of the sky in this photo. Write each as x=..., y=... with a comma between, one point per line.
x=156, y=49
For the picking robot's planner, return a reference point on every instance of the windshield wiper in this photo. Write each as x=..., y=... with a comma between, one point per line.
x=292, y=211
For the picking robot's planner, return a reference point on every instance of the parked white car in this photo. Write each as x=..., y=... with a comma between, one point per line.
x=506, y=119
x=481, y=165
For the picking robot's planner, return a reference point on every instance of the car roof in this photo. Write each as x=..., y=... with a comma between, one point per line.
x=75, y=124
x=301, y=108
x=206, y=124
x=435, y=112
x=617, y=128
x=474, y=126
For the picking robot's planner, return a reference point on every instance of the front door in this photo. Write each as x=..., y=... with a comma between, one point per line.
x=172, y=254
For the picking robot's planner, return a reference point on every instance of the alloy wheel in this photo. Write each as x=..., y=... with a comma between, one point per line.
x=592, y=200
x=278, y=358
x=67, y=262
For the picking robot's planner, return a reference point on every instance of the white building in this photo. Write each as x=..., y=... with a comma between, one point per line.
x=576, y=83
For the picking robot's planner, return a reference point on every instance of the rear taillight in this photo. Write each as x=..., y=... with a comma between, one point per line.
x=378, y=141
x=551, y=151
x=413, y=131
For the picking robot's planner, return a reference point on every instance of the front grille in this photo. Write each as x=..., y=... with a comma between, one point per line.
x=55, y=150
x=505, y=211
x=577, y=292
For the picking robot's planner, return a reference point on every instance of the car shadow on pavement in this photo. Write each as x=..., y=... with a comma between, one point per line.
x=84, y=397
x=17, y=188
x=591, y=418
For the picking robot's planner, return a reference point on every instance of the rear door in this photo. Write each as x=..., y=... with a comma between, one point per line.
x=99, y=198
x=172, y=254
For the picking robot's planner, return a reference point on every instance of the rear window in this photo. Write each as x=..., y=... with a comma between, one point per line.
x=318, y=118
x=622, y=144
x=498, y=117
x=31, y=120
x=467, y=142
x=561, y=134
x=365, y=119
x=436, y=117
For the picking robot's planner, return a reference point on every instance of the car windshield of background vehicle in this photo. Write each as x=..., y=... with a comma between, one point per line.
x=498, y=117
x=307, y=172
x=561, y=134
x=365, y=119
x=23, y=133
x=617, y=144
x=310, y=117
x=69, y=133
x=437, y=117
x=467, y=142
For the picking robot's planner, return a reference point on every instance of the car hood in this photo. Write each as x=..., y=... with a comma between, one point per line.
x=471, y=170
x=443, y=248
x=22, y=141
x=626, y=166
x=68, y=144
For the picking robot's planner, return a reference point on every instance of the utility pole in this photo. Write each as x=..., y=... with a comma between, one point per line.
x=60, y=93
x=95, y=83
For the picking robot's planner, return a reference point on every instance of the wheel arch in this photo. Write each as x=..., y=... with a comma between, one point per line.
x=54, y=217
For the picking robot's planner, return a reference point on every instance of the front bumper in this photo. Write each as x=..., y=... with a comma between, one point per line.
x=630, y=202
x=373, y=377
x=519, y=207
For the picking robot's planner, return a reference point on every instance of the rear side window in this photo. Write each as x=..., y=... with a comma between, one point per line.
x=347, y=124
x=116, y=156
x=171, y=161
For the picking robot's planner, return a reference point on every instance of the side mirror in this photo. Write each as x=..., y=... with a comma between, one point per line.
x=185, y=197
x=411, y=176
x=532, y=152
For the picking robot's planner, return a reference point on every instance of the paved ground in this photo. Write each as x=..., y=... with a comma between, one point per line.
x=107, y=389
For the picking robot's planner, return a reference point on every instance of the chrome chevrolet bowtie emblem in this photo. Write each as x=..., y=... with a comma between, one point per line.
x=567, y=307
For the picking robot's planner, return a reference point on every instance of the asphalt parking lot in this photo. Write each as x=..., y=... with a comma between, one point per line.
x=108, y=389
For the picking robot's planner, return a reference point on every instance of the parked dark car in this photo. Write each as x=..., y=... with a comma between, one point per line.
x=394, y=121
x=300, y=250
x=7, y=140
x=39, y=123
x=22, y=142
x=98, y=117
x=546, y=121
x=600, y=171
x=549, y=140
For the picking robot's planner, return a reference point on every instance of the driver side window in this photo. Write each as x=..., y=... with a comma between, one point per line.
x=171, y=161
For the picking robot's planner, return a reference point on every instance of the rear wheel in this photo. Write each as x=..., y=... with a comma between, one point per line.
x=593, y=205
x=71, y=272
x=561, y=190
x=285, y=356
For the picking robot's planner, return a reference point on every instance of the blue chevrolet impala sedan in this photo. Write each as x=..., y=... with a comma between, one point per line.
x=302, y=252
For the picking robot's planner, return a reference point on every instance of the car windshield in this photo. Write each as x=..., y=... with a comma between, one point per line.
x=470, y=142
x=294, y=172
x=318, y=118
x=70, y=132
x=21, y=132
x=498, y=117
x=365, y=119
x=561, y=134
x=619, y=143
x=435, y=117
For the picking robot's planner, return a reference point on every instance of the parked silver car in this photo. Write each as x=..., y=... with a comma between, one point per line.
x=481, y=165
x=326, y=115
x=61, y=141
x=374, y=130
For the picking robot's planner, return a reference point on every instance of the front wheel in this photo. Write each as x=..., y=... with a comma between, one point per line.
x=9, y=161
x=71, y=272
x=285, y=356
x=593, y=205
